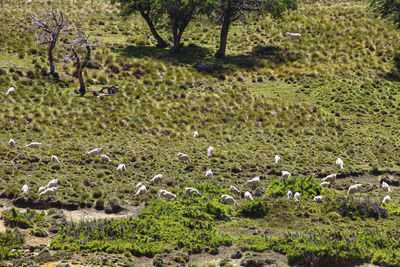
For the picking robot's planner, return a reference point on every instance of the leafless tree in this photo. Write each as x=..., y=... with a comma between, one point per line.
x=79, y=44
x=49, y=25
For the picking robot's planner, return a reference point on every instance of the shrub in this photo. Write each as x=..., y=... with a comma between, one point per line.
x=307, y=187
x=353, y=208
x=9, y=241
x=29, y=219
x=254, y=209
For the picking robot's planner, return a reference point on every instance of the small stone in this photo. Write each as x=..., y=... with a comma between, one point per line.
x=63, y=265
x=237, y=255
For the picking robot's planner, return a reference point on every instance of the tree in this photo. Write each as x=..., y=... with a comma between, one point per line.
x=49, y=26
x=82, y=43
x=227, y=11
x=387, y=9
x=150, y=10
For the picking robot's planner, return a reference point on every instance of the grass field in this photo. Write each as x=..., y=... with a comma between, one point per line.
x=331, y=93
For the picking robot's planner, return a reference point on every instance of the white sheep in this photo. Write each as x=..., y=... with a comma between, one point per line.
x=330, y=178
x=296, y=197
x=386, y=199
x=55, y=159
x=94, y=152
x=293, y=35
x=25, y=190
x=182, y=156
x=167, y=195
x=34, y=145
x=192, y=192
x=10, y=90
x=138, y=185
x=49, y=192
x=339, y=163
x=209, y=174
x=254, y=182
x=121, y=168
x=248, y=196
x=105, y=158
x=141, y=191
x=317, y=199
x=234, y=190
x=386, y=187
x=11, y=143
x=226, y=199
x=286, y=175
x=41, y=189
x=210, y=152
x=325, y=184
x=157, y=179
x=277, y=159
x=52, y=183
x=289, y=195
x=195, y=134
x=354, y=189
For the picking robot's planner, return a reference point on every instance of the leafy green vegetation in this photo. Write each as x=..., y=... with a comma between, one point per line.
x=28, y=219
x=254, y=209
x=353, y=208
x=9, y=241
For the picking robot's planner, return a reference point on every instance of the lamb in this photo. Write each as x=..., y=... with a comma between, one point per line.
x=121, y=168
x=105, y=158
x=226, y=199
x=330, y=178
x=182, y=156
x=25, y=190
x=386, y=199
x=11, y=90
x=254, y=182
x=165, y=194
x=289, y=195
x=157, y=179
x=293, y=35
x=325, y=184
x=138, y=186
x=209, y=174
x=248, y=196
x=11, y=143
x=210, y=152
x=296, y=197
x=34, y=145
x=195, y=134
x=277, y=159
x=354, y=189
x=55, y=159
x=142, y=190
x=192, y=192
x=386, y=187
x=234, y=190
x=41, y=189
x=286, y=175
x=52, y=183
x=318, y=199
x=94, y=152
x=339, y=163
x=49, y=192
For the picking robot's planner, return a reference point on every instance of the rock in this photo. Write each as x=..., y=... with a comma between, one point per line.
x=236, y=255
x=63, y=265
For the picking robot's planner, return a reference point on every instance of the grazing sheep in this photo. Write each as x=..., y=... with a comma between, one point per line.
x=354, y=189
x=55, y=159
x=234, y=190
x=34, y=145
x=254, y=182
x=289, y=195
x=210, y=152
x=386, y=187
x=286, y=175
x=296, y=197
x=165, y=194
x=293, y=35
x=105, y=158
x=41, y=189
x=330, y=178
x=141, y=191
x=11, y=90
x=248, y=196
x=318, y=199
x=49, y=192
x=326, y=184
x=52, y=183
x=157, y=179
x=182, y=156
x=121, y=168
x=25, y=190
x=138, y=186
x=94, y=152
x=209, y=174
x=11, y=143
x=195, y=134
x=192, y=192
x=277, y=159
x=226, y=199
x=386, y=199
x=339, y=163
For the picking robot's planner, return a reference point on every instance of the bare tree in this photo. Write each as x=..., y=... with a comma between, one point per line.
x=82, y=43
x=49, y=26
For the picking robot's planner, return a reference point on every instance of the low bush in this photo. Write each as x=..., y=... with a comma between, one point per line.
x=15, y=218
x=353, y=208
x=9, y=242
x=254, y=209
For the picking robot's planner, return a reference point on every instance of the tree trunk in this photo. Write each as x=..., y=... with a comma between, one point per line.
x=177, y=34
x=160, y=41
x=82, y=87
x=223, y=37
x=51, y=59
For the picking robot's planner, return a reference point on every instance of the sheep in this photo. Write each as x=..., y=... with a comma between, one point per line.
x=386, y=187
x=210, y=152
x=192, y=192
x=386, y=199
x=226, y=199
x=195, y=134
x=52, y=183
x=354, y=188
x=325, y=184
x=141, y=191
x=11, y=143
x=248, y=196
x=330, y=178
x=296, y=197
x=277, y=159
x=34, y=145
x=209, y=174
x=138, y=186
x=339, y=163
x=165, y=194
x=289, y=195
x=105, y=158
x=25, y=190
x=41, y=189
x=94, y=152
x=254, y=182
x=286, y=175
x=49, y=192
x=234, y=190
x=121, y=168
x=11, y=90
x=182, y=156
x=55, y=159
x=293, y=35
x=157, y=179
x=317, y=199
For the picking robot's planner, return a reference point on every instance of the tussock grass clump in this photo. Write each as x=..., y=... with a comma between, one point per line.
x=254, y=209
x=355, y=208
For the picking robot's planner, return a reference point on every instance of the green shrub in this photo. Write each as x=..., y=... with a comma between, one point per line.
x=14, y=218
x=392, y=208
x=353, y=208
x=254, y=209
x=9, y=241
x=307, y=187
